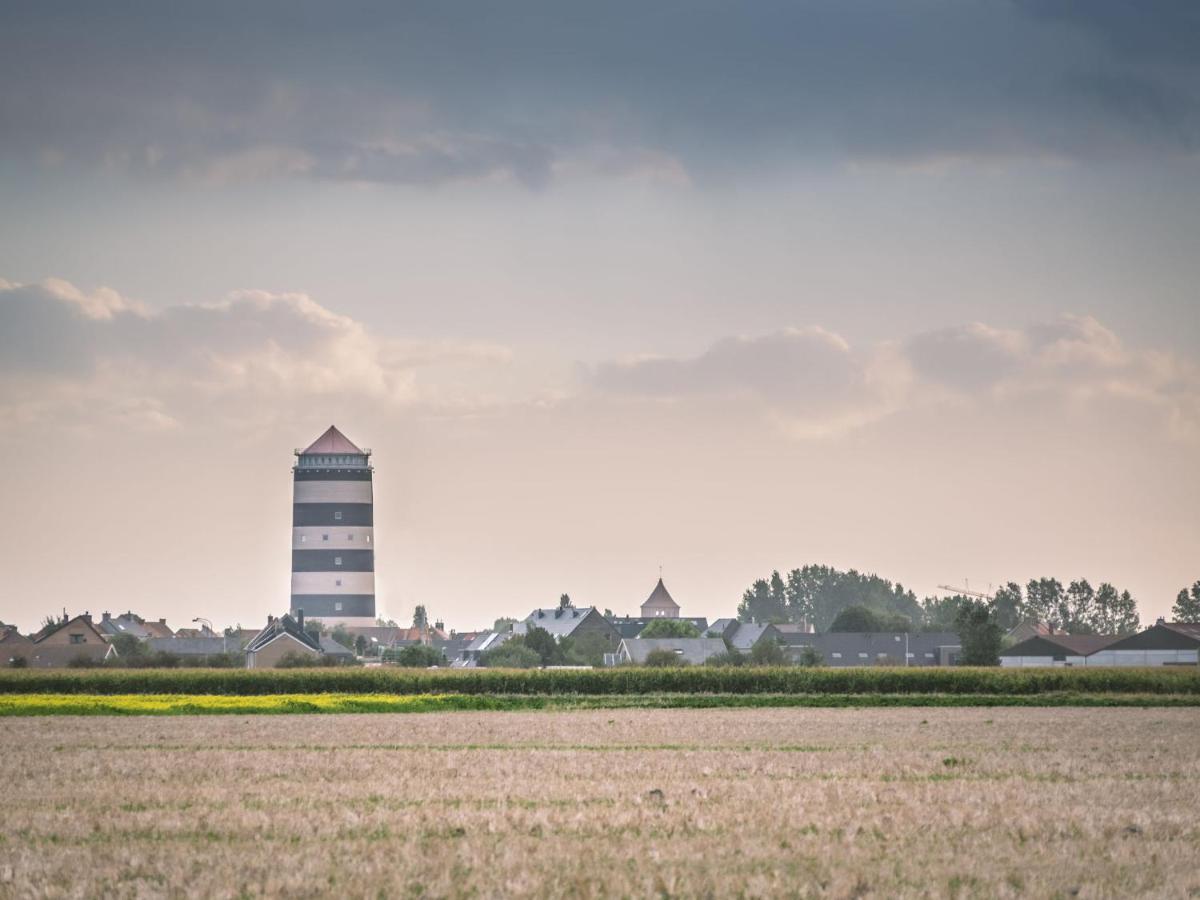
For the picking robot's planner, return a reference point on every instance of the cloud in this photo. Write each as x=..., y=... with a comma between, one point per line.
x=812, y=383
x=535, y=91
x=62, y=348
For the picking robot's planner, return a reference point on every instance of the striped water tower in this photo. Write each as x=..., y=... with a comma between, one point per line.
x=333, y=540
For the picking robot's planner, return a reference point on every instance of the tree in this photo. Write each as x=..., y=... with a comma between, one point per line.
x=762, y=603
x=361, y=644
x=979, y=634
x=420, y=617
x=512, y=654
x=670, y=628
x=940, y=613
x=1009, y=606
x=504, y=623
x=730, y=657
x=810, y=657
x=859, y=618
x=315, y=627
x=541, y=642
x=1187, y=605
x=1045, y=602
x=663, y=657
x=342, y=636
x=1079, y=611
x=1113, y=612
x=586, y=650
x=767, y=653
x=418, y=656
x=386, y=623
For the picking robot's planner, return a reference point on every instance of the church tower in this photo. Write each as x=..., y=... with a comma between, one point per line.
x=333, y=540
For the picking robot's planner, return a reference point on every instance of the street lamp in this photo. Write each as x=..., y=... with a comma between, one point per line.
x=211, y=630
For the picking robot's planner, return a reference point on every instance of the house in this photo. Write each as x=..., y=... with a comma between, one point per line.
x=76, y=640
x=748, y=634
x=14, y=646
x=569, y=621
x=129, y=623
x=1162, y=644
x=695, y=651
x=1055, y=650
x=282, y=636
x=631, y=627
x=468, y=657
x=660, y=604
x=879, y=648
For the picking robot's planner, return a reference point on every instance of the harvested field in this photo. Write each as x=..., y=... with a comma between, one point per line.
x=720, y=802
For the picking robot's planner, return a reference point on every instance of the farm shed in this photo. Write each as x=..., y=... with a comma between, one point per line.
x=1055, y=650
x=1163, y=644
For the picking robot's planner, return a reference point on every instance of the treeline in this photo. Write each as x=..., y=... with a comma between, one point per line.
x=821, y=594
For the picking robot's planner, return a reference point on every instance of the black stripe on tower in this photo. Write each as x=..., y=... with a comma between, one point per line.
x=332, y=474
x=327, y=560
x=316, y=606
x=333, y=514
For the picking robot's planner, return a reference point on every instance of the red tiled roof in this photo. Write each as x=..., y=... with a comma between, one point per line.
x=332, y=441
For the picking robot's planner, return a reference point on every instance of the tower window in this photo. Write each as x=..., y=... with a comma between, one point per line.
x=337, y=606
x=350, y=536
x=337, y=516
x=303, y=538
x=338, y=583
x=368, y=539
x=337, y=560
x=324, y=537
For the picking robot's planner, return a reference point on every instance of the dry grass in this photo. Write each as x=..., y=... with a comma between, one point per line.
x=760, y=802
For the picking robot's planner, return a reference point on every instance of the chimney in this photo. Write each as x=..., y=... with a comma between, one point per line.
x=160, y=621
x=439, y=625
x=1161, y=621
x=270, y=620
x=104, y=617
x=300, y=618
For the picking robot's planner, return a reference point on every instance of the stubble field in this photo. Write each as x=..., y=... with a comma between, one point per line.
x=749, y=802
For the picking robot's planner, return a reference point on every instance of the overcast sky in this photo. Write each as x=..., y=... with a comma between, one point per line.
x=910, y=288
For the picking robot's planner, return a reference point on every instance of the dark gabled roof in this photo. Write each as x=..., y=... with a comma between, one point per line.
x=332, y=441
x=1061, y=645
x=330, y=647
x=1164, y=636
x=285, y=624
x=661, y=597
x=559, y=621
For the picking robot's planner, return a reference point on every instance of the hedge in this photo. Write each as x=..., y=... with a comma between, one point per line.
x=621, y=680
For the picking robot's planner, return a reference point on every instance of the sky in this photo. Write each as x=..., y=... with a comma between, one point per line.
x=721, y=288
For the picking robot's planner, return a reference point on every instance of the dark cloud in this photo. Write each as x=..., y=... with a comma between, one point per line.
x=431, y=93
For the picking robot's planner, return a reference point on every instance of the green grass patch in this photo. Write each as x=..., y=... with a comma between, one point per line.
x=268, y=704
x=609, y=682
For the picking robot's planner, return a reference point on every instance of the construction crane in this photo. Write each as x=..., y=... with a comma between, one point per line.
x=965, y=591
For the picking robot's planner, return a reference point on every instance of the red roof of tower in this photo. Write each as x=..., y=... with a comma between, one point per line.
x=332, y=441
x=660, y=596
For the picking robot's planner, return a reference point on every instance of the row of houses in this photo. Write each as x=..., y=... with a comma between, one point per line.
x=1162, y=644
